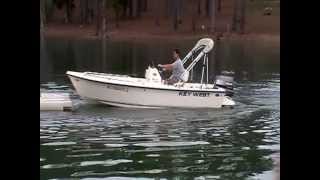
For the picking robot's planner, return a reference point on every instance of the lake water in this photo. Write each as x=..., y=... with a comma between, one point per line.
x=97, y=141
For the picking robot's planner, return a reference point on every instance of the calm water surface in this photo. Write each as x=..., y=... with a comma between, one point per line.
x=97, y=141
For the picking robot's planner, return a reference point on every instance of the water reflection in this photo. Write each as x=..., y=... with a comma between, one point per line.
x=247, y=59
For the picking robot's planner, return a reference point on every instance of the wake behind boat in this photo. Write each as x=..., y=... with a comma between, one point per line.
x=152, y=91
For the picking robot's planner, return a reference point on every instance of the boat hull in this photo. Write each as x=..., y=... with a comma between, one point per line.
x=144, y=97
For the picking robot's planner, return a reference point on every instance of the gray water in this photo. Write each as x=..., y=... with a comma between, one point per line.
x=97, y=141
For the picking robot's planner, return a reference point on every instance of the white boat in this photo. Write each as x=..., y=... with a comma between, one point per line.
x=151, y=91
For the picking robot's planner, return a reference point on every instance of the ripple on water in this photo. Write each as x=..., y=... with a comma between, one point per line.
x=144, y=136
x=91, y=173
x=153, y=155
x=117, y=178
x=57, y=137
x=262, y=131
x=44, y=137
x=245, y=148
x=84, y=155
x=110, y=136
x=116, y=145
x=207, y=177
x=171, y=144
x=109, y=162
x=55, y=166
x=174, y=136
x=244, y=132
x=275, y=147
x=59, y=143
x=200, y=161
x=104, y=139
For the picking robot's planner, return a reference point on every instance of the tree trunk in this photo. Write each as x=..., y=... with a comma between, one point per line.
x=235, y=15
x=43, y=12
x=219, y=5
x=139, y=8
x=212, y=9
x=134, y=8
x=84, y=11
x=168, y=8
x=130, y=8
x=180, y=7
x=124, y=9
x=199, y=7
x=103, y=33
x=238, y=21
x=156, y=7
x=68, y=17
x=41, y=17
x=145, y=5
x=175, y=14
x=242, y=16
x=207, y=8
x=98, y=17
x=104, y=20
x=91, y=12
x=194, y=15
x=45, y=69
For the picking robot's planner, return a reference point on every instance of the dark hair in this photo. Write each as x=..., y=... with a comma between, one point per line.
x=177, y=51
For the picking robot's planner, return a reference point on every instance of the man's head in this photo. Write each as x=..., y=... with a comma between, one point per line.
x=176, y=54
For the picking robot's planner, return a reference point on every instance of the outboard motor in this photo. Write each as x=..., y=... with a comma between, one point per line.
x=226, y=81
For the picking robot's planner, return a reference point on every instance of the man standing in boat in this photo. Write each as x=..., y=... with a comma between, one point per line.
x=176, y=67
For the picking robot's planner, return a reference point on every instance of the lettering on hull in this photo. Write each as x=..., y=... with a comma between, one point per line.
x=118, y=88
x=197, y=94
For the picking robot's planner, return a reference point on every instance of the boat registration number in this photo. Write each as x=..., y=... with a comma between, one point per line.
x=118, y=88
x=198, y=94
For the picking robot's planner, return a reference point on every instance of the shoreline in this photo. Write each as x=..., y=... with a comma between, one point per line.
x=88, y=33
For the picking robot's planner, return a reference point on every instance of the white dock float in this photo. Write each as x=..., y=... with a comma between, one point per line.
x=55, y=102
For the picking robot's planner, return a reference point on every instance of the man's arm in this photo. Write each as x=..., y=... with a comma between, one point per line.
x=166, y=66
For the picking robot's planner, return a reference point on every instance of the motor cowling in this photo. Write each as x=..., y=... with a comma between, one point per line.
x=226, y=81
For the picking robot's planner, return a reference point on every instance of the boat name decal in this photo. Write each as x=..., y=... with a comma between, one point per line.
x=118, y=88
x=198, y=94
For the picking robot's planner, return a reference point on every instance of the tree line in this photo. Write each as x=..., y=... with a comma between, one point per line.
x=96, y=12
